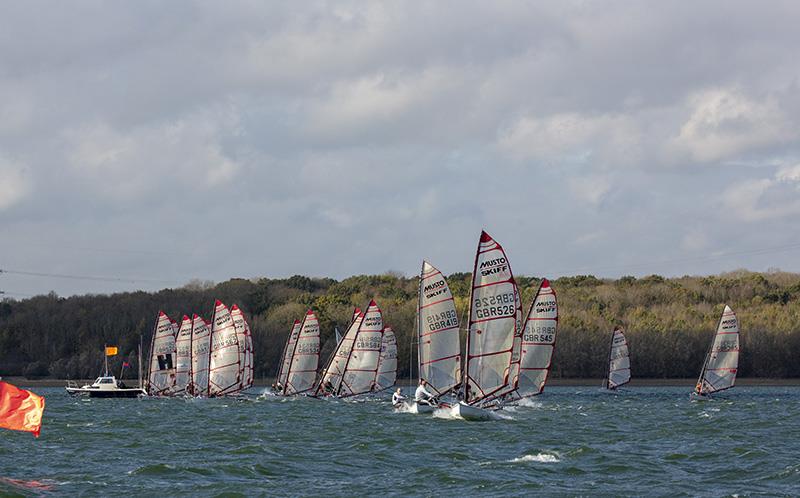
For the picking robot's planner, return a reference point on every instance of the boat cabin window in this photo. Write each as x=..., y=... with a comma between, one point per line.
x=106, y=380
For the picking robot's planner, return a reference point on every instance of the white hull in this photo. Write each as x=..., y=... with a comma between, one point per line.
x=468, y=412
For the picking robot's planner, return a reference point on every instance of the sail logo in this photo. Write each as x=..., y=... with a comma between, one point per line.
x=493, y=266
x=546, y=306
x=373, y=322
x=540, y=334
x=444, y=320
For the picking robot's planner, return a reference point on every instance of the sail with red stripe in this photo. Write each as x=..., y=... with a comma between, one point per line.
x=438, y=332
x=362, y=364
x=331, y=378
x=224, y=369
x=245, y=346
x=201, y=350
x=161, y=373
x=302, y=371
x=249, y=374
x=538, y=341
x=183, y=353
x=492, y=322
x=722, y=361
x=387, y=364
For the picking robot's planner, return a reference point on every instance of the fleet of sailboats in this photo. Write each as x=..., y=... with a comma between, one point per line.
x=507, y=356
x=195, y=359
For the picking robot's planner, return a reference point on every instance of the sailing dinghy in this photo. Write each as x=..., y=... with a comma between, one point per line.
x=438, y=341
x=361, y=366
x=283, y=367
x=245, y=348
x=304, y=358
x=618, y=368
x=387, y=363
x=331, y=377
x=161, y=373
x=493, y=320
x=722, y=361
x=225, y=366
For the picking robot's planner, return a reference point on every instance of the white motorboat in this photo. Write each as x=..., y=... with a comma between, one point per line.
x=105, y=386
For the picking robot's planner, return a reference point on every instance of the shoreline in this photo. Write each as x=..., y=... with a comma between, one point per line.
x=577, y=382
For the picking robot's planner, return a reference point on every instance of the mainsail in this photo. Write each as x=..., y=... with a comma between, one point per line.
x=387, y=364
x=201, y=347
x=492, y=322
x=538, y=341
x=302, y=369
x=249, y=373
x=619, y=361
x=331, y=378
x=161, y=374
x=224, y=369
x=288, y=349
x=362, y=364
x=245, y=351
x=437, y=332
x=722, y=361
x=183, y=362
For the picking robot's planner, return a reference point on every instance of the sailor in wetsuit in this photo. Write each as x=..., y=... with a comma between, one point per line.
x=398, y=398
x=424, y=397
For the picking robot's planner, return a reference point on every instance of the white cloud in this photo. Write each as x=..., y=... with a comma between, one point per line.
x=759, y=200
x=725, y=123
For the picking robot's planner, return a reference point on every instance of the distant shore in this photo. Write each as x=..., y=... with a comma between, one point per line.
x=752, y=381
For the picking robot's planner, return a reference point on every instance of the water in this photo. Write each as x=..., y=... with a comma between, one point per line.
x=568, y=442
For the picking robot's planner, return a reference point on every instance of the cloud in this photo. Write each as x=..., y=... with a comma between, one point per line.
x=15, y=184
x=725, y=123
x=766, y=198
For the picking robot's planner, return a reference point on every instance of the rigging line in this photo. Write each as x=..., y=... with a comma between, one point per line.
x=710, y=257
x=86, y=277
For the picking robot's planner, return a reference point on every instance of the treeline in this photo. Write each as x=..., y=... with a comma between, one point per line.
x=669, y=322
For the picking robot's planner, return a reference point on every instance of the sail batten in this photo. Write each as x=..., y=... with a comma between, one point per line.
x=438, y=332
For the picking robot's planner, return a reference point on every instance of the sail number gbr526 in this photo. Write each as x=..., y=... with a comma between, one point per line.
x=495, y=306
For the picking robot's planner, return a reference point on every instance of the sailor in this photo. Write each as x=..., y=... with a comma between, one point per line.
x=422, y=396
x=398, y=398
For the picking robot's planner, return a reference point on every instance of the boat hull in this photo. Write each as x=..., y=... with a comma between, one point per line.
x=468, y=412
x=106, y=393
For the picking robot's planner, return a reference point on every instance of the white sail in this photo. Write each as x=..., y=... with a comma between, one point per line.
x=538, y=341
x=288, y=349
x=245, y=347
x=201, y=348
x=362, y=364
x=331, y=378
x=387, y=364
x=510, y=390
x=224, y=369
x=250, y=371
x=619, y=361
x=183, y=362
x=302, y=371
x=722, y=361
x=492, y=322
x=161, y=374
x=438, y=332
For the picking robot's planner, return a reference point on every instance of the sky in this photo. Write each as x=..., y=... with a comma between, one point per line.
x=147, y=144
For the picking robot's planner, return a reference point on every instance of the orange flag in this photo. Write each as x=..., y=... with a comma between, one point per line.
x=20, y=410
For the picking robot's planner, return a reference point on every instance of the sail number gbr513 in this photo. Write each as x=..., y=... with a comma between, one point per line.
x=495, y=306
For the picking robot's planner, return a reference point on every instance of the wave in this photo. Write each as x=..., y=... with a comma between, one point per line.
x=539, y=457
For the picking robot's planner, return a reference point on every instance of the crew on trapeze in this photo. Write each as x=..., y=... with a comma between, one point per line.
x=398, y=398
x=424, y=397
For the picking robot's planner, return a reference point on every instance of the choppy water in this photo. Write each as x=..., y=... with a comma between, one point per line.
x=569, y=441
